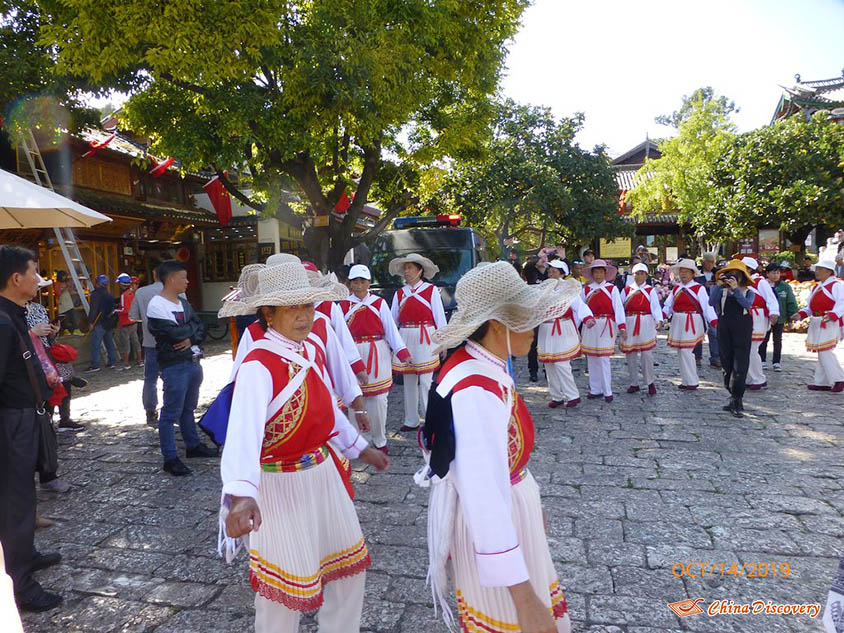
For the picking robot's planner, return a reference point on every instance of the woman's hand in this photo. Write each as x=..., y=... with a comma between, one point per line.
x=590, y=323
x=794, y=318
x=244, y=517
x=732, y=283
x=362, y=377
x=362, y=420
x=533, y=616
x=375, y=458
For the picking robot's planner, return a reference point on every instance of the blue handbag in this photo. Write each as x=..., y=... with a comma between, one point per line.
x=215, y=421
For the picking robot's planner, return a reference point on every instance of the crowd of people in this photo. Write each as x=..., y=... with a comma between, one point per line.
x=313, y=367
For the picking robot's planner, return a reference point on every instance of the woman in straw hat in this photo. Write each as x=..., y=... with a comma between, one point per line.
x=322, y=336
x=765, y=312
x=485, y=513
x=283, y=483
x=644, y=318
x=417, y=308
x=559, y=343
x=732, y=298
x=604, y=300
x=688, y=308
x=375, y=333
x=826, y=307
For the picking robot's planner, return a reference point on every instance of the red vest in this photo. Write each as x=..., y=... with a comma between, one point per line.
x=819, y=302
x=638, y=301
x=317, y=332
x=758, y=300
x=325, y=308
x=521, y=434
x=364, y=322
x=414, y=311
x=685, y=299
x=599, y=301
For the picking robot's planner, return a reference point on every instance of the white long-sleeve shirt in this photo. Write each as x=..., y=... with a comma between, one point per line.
x=343, y=379
x=768, y=295
x=481, y=474
x=240, y=466
x=656, y=309
x=699, y=293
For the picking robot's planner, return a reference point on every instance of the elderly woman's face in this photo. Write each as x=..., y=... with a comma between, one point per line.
x=554, y=273
x=293, y=322
x=520, y=342
x=640, y=277
x=411, y=272
x=599, y=274
x=686, y=275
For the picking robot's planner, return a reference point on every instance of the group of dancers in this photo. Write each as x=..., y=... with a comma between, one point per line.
x=317, y=353
x=604, y=316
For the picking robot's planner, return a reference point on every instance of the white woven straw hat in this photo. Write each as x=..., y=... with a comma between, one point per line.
x=287, y=285
x=316, y=278
x=282, y=258
x=429, y=268
x=246, y=284
x=685, y=263
x=496, y=291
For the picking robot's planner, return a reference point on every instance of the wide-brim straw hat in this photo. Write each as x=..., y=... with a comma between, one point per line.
x=316, y=278
x=287, y=285
x=688, y=264
x=429, y=268
x=496, y=291
x=246, y=285
x=612, y=271
x=734, y=264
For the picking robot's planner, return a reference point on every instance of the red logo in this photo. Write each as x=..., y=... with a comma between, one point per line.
x=686, y=607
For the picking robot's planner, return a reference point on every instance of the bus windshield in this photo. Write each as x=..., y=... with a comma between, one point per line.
x=452, y=264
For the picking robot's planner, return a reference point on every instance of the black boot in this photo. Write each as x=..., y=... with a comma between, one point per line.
x=733, y=407
x=740, y=405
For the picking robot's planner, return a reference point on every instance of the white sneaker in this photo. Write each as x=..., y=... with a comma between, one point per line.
x=764, y=365
x=777, y=367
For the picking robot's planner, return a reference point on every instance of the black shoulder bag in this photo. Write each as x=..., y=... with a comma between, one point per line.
x=48, y=445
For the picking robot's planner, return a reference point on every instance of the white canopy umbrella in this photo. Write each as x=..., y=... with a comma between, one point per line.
x=25, y=205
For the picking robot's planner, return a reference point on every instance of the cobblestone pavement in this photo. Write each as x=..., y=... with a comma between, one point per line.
x=630, y=488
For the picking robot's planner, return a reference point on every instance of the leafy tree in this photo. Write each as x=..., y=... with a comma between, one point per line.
x=789, y=175
x=680, y=180
x=33, y=95
x=532, y=181
x=329, y=95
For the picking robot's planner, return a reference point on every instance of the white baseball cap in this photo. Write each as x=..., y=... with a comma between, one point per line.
x=359, y=271
x=561, y=265
x=640, y=268
x=751, y=263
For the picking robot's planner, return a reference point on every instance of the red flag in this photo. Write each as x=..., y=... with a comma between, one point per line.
x=220, y=199
x=95, y=146
x=343, y=203
x=159, y=168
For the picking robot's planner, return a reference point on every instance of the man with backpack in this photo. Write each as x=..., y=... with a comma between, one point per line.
x=103, y=319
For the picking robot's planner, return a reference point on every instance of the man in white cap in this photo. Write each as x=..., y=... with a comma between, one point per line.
x=688, y=308
x=826, y=307
x=644, y=318
x=765, y=312
x=418, y=310
x=375, y=333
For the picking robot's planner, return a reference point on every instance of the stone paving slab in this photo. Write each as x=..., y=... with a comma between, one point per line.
x=630, y=488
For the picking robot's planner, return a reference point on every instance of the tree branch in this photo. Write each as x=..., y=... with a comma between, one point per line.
x=237, y=193
x=371, y=160
x=186, y=85
x=407, y=200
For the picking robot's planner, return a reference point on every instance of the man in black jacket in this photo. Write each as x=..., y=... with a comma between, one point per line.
x=178, y=332
x=19, y=431
x=101, y=320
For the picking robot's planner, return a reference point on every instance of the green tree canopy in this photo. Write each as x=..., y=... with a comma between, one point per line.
x=533, y=181
x=680, y=180
x=789, y=175
x=331, y=95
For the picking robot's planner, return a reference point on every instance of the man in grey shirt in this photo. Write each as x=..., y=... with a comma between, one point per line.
x=138, y=312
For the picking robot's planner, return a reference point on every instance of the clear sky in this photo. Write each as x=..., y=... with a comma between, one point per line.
x=622, y=63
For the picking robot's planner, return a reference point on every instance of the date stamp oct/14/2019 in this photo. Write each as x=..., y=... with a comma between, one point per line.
x=750, y=569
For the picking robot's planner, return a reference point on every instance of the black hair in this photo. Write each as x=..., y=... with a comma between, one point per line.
x=772, y=267
x=167, y=268
x=588, y=251
x=478, y=334
x=61, y=276
x=14, y=259
x=262, y=320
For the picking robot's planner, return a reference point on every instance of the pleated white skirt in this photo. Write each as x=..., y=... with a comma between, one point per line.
x=490, y=609
x=309, y=536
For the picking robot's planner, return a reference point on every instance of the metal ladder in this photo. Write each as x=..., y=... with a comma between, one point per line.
x=67, y=241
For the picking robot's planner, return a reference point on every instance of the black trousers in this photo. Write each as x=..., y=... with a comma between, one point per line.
x=735, y=334
x=18, y=454
x=763, y=346
x=533, y=355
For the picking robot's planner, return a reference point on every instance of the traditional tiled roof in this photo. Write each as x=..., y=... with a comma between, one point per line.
x=125, y=206
x=647, y=147
x=653, y=218
x=625, y=176
x=811, y=96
